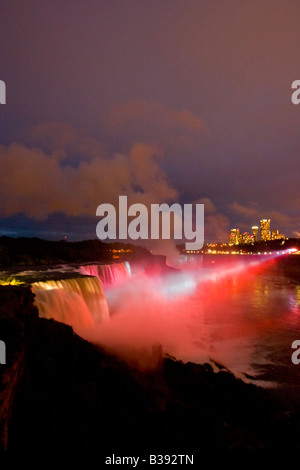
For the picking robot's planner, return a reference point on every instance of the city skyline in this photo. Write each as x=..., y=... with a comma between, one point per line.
x=266, y=234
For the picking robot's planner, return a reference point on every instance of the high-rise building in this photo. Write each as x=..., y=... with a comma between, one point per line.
x=274, y=234
x=247, y=238
x=255, y=232
x=265, y=229
x=234, y=236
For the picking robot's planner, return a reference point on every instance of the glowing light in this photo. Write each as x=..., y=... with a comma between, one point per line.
x=11, y=282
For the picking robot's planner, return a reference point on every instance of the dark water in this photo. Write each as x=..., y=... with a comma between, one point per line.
x=252, y=318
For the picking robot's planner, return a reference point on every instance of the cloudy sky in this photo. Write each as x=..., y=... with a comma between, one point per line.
x=159, y=100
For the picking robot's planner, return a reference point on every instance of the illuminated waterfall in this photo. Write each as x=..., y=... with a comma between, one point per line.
x=109, y=274
x=80, y=302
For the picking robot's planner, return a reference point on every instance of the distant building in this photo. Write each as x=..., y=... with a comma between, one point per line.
x=275, y=235
x=265, y=229
x=247, y=238
x=234, y=236
x=255, y=232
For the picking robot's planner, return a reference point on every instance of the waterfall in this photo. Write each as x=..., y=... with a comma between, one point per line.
x=79, y=302
x=109, y=274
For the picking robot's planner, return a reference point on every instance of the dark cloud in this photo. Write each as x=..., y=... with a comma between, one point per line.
x=38, y=184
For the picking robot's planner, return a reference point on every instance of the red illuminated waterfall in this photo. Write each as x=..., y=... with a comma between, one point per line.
x=79, y=302
x=109, y=274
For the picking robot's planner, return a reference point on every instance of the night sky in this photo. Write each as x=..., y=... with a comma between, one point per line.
x=159, y=100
